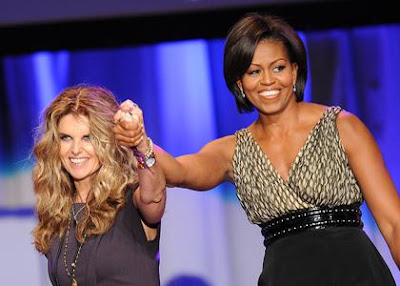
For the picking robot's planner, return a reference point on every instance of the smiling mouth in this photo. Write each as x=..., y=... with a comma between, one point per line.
x=269, y=93
x=78, y=161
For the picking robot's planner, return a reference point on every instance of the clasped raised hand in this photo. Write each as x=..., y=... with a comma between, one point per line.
x=129, y=127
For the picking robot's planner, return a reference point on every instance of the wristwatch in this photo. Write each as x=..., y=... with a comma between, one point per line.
x=146, y=161
x=150, y=160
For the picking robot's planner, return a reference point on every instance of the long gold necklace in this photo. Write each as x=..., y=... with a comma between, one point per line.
x=71, y=273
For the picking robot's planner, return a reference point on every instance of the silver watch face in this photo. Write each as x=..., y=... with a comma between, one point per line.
x=150, y=161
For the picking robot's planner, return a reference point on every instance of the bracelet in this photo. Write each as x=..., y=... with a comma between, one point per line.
x=146, y=160
x=149, y=152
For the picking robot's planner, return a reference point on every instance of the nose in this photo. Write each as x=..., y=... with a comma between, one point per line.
x=266, y=78
x=76, y=147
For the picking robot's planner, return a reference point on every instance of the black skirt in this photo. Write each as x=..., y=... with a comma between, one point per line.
x=340, y=256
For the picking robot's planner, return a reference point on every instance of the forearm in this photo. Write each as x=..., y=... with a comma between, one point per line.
x=152, y=186
x=131, y=133
x=173, y=170
x=200, y=171
x=151, y=197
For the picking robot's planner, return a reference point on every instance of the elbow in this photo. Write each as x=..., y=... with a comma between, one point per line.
x=393, y=243
x=154, y=213
x=173, y=182
x=395, y=247
x=154, y=194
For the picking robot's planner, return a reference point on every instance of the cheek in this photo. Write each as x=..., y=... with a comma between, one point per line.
x=96, y=158
x=96, y=163
x=63, y=151
x=287, y=79
x=89, y=148
x=92, y=152
x=63, y=159
x=249, y=83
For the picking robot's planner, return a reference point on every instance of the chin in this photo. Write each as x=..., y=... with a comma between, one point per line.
x=272, y=109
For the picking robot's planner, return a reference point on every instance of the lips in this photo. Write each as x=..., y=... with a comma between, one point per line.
x=269, y=93
x=78, y=161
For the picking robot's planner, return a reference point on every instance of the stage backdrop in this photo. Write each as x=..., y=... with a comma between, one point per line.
x=206, y=237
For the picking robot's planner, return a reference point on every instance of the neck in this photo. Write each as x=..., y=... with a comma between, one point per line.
x=278, y=123
x=80, y=196
x=82, y=190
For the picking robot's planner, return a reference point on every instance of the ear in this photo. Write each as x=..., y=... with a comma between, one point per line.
x=295, y=68
x=239, y=84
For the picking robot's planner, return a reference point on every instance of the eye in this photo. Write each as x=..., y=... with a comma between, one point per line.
x=254, y=72
x=87, y=138
x=279, y=68
x=64, y=137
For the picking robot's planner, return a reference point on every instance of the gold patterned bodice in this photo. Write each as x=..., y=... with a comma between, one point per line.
x=319, y=176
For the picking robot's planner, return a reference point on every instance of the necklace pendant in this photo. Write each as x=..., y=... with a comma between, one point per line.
x=74, y=283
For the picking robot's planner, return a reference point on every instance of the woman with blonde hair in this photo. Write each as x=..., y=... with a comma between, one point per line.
x=99, y=205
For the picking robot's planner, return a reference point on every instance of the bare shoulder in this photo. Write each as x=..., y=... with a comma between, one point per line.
x=313, y=109
x=348, y=123
x=353, y=132
x=312, y=112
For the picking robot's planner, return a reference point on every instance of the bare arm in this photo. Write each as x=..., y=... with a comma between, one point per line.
x=368, y=165
x=150, y=196
x=200, y=171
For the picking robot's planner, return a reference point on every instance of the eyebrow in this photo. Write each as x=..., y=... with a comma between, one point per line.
x=277, y=60
x=62, y=134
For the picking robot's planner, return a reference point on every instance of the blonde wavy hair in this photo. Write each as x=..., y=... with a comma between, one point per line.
x=53, y=186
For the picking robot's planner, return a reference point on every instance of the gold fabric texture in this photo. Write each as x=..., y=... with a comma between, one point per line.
x=319, y=176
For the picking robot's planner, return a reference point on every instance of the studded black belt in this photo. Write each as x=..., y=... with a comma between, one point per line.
x=312, y=218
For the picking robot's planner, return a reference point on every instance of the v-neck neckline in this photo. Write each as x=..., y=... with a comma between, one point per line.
x=296, y=158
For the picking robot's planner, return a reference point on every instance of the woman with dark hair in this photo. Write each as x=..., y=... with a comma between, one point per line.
x=240, y=47
x=99, y=208
x=301, y=170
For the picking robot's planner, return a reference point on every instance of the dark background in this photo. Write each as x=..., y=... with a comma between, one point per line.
x=26, y=26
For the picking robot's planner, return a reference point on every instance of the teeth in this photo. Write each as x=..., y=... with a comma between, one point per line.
x=269, y=93
x=77, y=160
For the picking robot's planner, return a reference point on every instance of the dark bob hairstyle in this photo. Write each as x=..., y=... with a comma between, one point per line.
x=240, y=46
